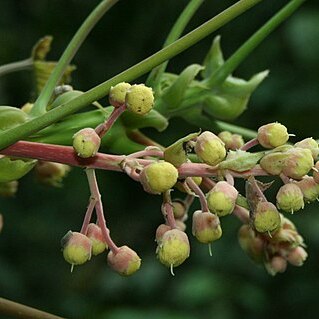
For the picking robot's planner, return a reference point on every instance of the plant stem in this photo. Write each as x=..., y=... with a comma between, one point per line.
x=246, y=133
x=14, y=134
x=176, y=31
x=16, y=66
x=17, y=310
x=199, y=193
x=88, y=215
x=233, y=62
x=42, y=101
x=251, y=143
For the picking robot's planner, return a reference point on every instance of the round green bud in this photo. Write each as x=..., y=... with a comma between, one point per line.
x=76, y=248
x=158, y=177
x=51, y=173
x=86, y=142
x=276, y=264
x=8, y=189
x=117, y=93
x=273, y=163
x=94, y=233
x=64, y=98
x=311, y=144
x=139, y=99
x=232, y=141
x=125, y=261
x=297, y=256
x=316, y=173
x=10, y=117
x=222, y=199
x=266, y=218
x=174, y=248
x=298, y=163
x=272, y=135
x=206, y=227
x=210, y=148
x=309, y=188
x=290, y=198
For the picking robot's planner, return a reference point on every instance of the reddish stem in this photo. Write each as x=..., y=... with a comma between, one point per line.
x=199, y=193
x=148, y=152
x=167, y=209
x=88, y=216
x=250, y=144
x=242, y=214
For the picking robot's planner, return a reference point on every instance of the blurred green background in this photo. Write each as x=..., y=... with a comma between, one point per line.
x=225, y=286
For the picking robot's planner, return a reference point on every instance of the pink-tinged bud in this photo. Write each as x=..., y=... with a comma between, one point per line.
x=51, y=173
x=125, y=261
x=232, y=141
x=251, y=243
x=173, y=249
x=94, y=232
x=290, y=198
x=158, y=177
x=210, y=148
x=76, y=248
x=277, y=264
x=1, y=222
x=266, y=217
x=179, y=209
x=272, y=135
x=8, y=189
x=160, y=231
x=310, y=144
x=298, y=163
x=309, y=188
x=206, y=227
x=86, y=142
x=117, y=93
x=297, y=256
x=273, y=163
x=222, y=199
x=316, y=173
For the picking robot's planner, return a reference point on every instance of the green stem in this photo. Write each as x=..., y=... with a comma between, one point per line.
x=176, y=31
x=16, y=66
x=40, y=105
x=234, y=61
x=245, y=132
x=14, y=134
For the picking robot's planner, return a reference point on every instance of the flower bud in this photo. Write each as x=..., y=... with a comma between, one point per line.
x=160, y=231
x=222, y=199
x=206, y=227
x=174, y=248
x=316, y=173
x=139, y=99
x=272, y=135
x=297, y=256
x=8, y=189
x=309, y=188
x=298, y=163
x=76, y=248
x=290, y=198
x=117, y=93
x=266, y=217
x=125, y=261
x=158, y=177
x=232, y=141
x=86, y=142
x=10, y=117
x=179, y=209
x=277, y=264
x=51, y=173
x=180, y=225
x=210, y=148
x=273, y=163
x=310, y=144
x=94, y=232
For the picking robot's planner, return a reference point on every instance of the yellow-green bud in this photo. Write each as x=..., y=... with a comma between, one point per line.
x=174, y=248
x=266, y=218
x=297, y=256
x=125, y=261
x=309, y=188
x=206, y=227
x=86, y=142
x=139, y=99
x=222, y=199
x=310, y=144
x=210, y=148
x=232, y=141
x=8, y=189
x=117, y=93
x=158, y=177
x=94, y=233
x=290, y=198
x=273, y=163
x=272, y=135
x=76, y=248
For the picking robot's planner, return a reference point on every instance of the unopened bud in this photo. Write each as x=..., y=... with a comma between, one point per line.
x=206, y=227
x=94, y=232
x=210, y=148
x=51, y=173
x=117, y=93
x=290, y=198
x=86, y=142
x=266, y=217
x=309, y=188
x=297, y=256
x=232, y=141
x=273, y=163
x=180, y=225
x=222, y=198
x=277, y=264
x=139, y=99
x=310, y=144
x=125, y=261
x=8, y=189
x=160, y=231
x=179, y=209
x=316, y=173
x=272, y=135
x=158, y=177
